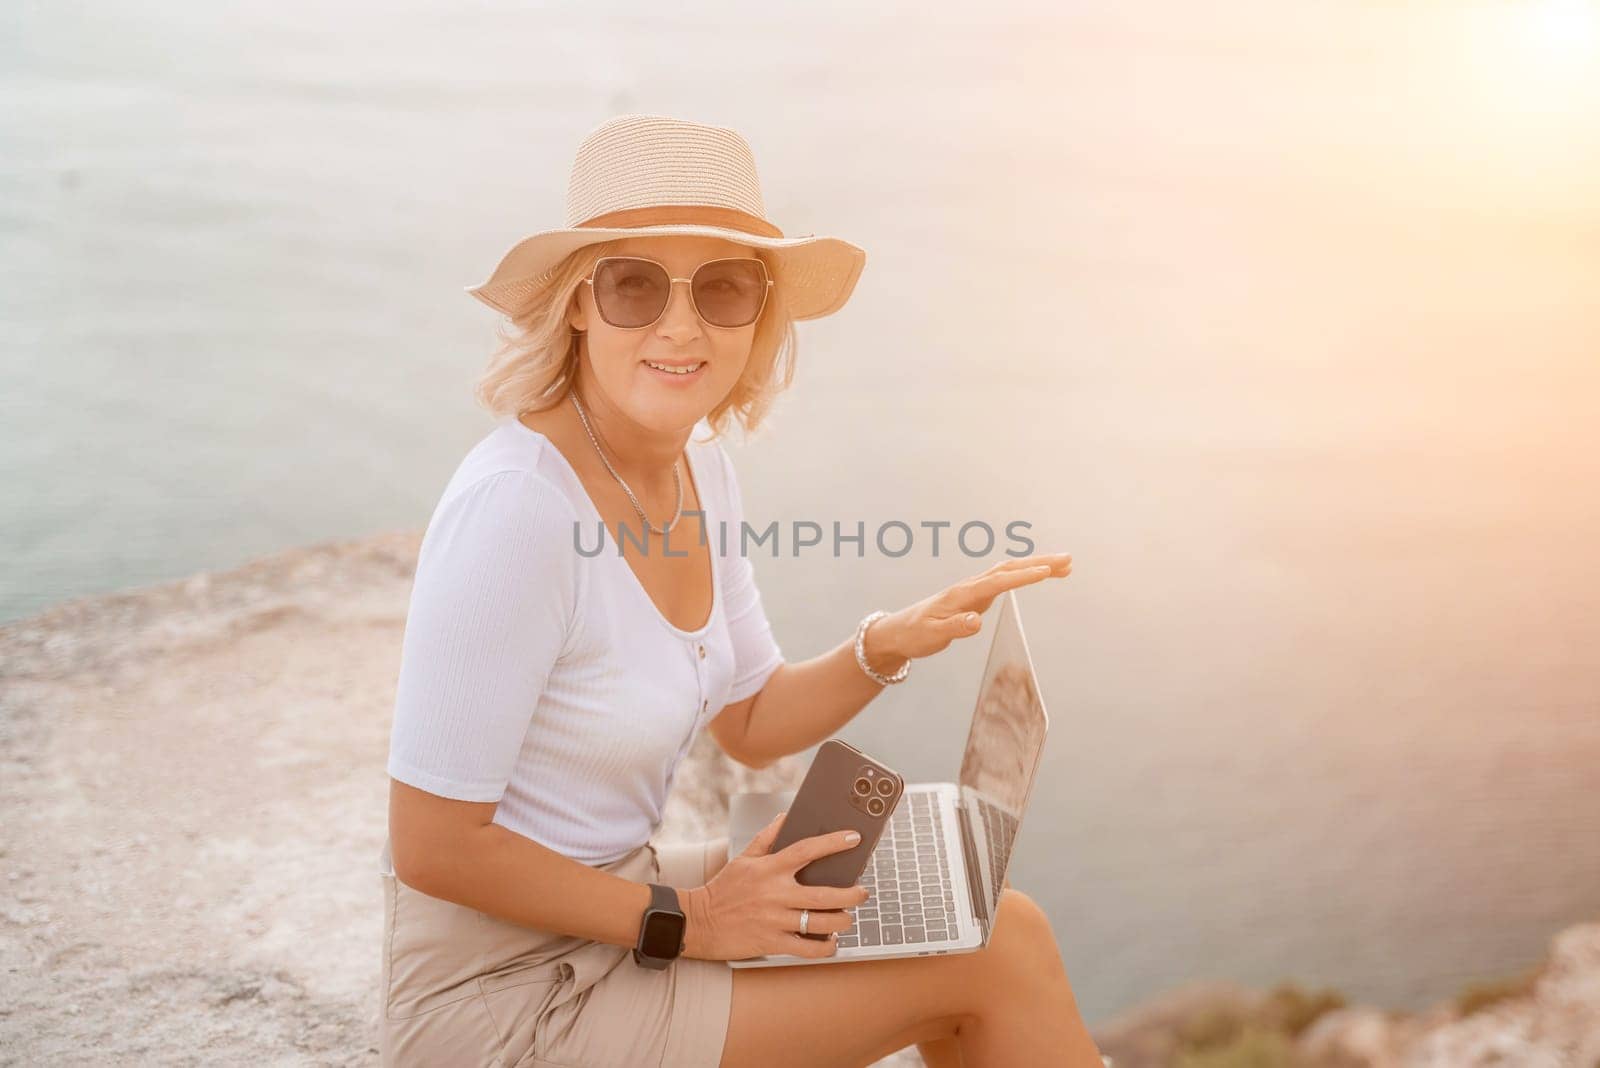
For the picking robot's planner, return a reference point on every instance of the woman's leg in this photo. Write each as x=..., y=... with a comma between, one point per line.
x=1008, y=1003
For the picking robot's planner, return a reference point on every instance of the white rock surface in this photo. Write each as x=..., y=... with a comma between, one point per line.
x=1555, y=1025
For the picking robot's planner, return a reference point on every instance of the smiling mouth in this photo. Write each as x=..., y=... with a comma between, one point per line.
x=676, y=369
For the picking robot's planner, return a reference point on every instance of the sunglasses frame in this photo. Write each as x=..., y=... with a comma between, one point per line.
x=766, y=290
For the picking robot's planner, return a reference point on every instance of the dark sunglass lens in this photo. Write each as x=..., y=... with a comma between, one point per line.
x=730, y=292
x=630, y=293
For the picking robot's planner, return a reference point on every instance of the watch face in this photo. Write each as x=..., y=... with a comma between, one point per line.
x=663, y=933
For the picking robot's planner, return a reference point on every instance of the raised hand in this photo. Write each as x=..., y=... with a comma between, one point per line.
x=954, y=612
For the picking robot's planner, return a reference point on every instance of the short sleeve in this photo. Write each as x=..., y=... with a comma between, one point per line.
x=492, y=608
x=756, y=654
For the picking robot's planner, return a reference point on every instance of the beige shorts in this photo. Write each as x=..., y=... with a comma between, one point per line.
x=463, y=988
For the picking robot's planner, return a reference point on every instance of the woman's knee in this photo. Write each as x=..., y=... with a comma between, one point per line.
x=1023, y=939
x=1023, y=910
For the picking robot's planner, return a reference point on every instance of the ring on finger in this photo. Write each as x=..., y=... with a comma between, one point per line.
x=805, y=921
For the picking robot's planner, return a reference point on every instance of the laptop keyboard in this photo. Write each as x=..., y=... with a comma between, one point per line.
x=1000, y=828
x=909, y=877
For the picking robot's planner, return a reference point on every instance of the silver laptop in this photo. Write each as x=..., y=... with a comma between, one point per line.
x=937, y=872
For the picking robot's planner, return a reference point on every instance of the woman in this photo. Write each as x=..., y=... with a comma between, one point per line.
x=547, y=691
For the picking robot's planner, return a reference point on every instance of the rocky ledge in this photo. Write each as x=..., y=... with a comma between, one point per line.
x=1548, y=1017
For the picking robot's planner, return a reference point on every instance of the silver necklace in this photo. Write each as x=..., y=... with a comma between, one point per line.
x=676, y=480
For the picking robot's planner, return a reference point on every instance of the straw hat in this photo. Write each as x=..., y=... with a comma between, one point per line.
x=647, y=175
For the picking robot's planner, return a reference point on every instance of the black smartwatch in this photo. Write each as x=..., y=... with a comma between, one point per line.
x=661, y=930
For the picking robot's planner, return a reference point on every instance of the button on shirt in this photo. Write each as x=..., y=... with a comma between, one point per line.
x=545, y=679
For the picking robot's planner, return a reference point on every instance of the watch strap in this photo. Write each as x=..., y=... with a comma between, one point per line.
x=664, y=898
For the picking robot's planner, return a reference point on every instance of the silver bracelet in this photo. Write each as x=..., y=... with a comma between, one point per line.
x=861, y=652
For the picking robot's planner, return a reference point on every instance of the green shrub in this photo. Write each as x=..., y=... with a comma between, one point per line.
x=1252, y=1047
x=1212, y=1026
x=1291, y=1010
x=1480, y=995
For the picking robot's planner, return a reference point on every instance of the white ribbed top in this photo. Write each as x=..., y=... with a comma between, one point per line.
x=548, y=681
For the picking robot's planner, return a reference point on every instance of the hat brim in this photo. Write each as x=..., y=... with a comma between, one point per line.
x=817, y=274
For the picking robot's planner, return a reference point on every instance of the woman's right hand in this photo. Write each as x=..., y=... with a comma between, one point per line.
x=751, y=907
x=931, y=624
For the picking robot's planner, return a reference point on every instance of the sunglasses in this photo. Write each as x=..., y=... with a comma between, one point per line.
x=631, y=292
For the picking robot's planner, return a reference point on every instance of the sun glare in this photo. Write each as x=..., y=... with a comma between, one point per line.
x=1564, y=31
x=1550, y=44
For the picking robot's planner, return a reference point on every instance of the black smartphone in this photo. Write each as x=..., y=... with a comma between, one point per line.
x=844, y=789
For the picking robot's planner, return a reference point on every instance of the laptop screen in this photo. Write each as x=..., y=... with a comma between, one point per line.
x=1003, y=748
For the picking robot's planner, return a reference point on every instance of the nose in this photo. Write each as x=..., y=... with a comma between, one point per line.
x=679, y=322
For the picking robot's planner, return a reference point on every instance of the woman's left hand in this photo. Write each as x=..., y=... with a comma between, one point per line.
x=955, y=612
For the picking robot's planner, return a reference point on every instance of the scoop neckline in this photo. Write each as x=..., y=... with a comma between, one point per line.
x=594, y=511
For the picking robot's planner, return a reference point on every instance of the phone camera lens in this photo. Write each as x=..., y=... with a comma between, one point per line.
x=863, y=787
x=875, y=806
x=886, y=787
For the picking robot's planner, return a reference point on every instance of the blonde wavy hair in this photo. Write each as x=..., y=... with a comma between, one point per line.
x=536, y=359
